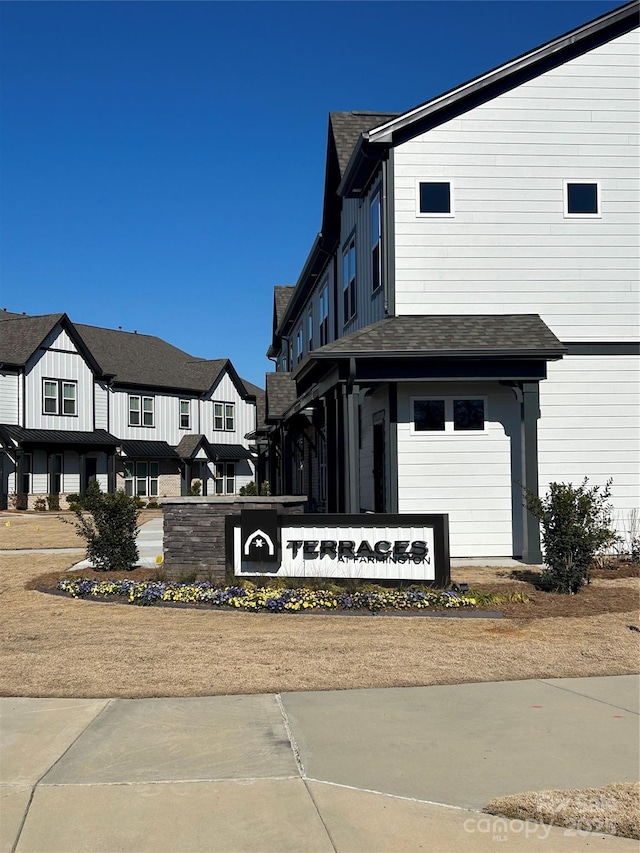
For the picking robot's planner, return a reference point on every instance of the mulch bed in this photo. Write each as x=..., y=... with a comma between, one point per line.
x=591, y=601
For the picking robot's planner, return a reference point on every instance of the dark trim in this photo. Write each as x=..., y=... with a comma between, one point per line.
x=603, y=348
x=393, y=448
x=389, y=244
x=530, y=411
x=352, y=430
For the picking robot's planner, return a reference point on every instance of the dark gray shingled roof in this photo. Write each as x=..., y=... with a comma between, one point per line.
x=189, y=445
x=260, y=400
x=148, y=360
x=347, y=127
x=281, y=394
x=20, y=336
x=449, y=335
x=282, y=294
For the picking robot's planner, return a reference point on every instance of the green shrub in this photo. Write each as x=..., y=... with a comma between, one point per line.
x=195, y=489
x=265, y=489
x=576, y=526
x=108, y=524
x=53, y=502
x=40, y=505
x=249, y=490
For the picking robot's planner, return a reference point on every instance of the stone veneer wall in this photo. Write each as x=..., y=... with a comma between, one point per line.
x=194, y=531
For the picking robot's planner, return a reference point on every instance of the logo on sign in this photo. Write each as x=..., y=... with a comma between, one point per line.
x=259, y=536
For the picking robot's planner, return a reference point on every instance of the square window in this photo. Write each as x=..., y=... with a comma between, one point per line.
x=468, y=414
x=435, y=198
x=581, y=198
x=428, y=415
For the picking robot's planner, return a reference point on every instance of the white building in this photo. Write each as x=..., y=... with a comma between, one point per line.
x=466, y=323
x=79, y=403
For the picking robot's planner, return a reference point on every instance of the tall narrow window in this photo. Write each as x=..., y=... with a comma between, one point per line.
x=299, y=346
x=218, y=416
x=55, y=474
x=324, y=315
x=229, y=416
x=26, y=473
x=50, y=392
x=185, y=414
x=376, y=242
x=349, y=280
x=310, y=329
x=225, y=479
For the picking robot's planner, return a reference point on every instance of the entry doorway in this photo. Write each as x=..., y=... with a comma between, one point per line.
x=379, y=465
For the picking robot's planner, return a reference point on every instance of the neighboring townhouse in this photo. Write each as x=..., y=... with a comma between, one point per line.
x=80, y=403
x=466, y=323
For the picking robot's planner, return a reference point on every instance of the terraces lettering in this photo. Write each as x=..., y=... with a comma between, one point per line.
x=342, y=550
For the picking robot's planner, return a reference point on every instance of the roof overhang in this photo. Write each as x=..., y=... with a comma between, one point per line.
x=13, y=437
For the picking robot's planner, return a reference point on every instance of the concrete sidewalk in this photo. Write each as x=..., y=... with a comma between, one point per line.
x=402, y=769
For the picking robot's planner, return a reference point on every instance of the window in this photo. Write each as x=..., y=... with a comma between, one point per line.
x=299, y=345
x=141, y=478
x=446, y=415
x=310, y=328
x=349, y=280
x=324, y=315
x=428, y=415
x=434, y=198
x=582, y=199
x=225, y=480
x=185, y=414
x=224, y=416
x=141, y=410
x=27, y=462
x=376, y=240
x=59, y=397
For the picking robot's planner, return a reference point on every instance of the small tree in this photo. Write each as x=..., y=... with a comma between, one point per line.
x=576, y=525
x=108, y=524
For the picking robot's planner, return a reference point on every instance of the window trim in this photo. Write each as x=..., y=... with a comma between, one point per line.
x=132, y=476
x=299, y=345
x=310, y=328
x=350, y=287
x=323, y=319
x=449, y=430
x=141, y=412
x=565, y=198
x=188, y=414
x=224, y=416
x=426, y=214
x=60, y=398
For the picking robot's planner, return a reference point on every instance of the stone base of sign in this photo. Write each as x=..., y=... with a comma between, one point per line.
x=194, y=531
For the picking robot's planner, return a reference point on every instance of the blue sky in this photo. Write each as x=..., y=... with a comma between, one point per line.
x=162, y=163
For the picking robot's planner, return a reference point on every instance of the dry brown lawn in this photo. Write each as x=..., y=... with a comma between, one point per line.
x=57, y=646
x=614, y=809
x=45, y=530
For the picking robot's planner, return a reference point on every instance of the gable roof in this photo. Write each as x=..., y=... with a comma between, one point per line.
x=281, y=394
x=347, y=127
x=375, y=142
x=126, y=357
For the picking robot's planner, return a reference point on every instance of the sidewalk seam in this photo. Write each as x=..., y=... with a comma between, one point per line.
x=48, y=770
x=393, y=796
x=584, y=696
x=292, y=741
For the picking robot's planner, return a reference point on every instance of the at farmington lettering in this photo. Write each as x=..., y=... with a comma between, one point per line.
x=345, y=549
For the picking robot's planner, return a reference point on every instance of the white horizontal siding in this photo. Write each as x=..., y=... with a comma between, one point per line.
x=472, y=477
x=9, y=398
x=589, y=426
x=508, y=247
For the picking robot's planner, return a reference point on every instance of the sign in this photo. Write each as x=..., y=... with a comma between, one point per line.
x=371, y=547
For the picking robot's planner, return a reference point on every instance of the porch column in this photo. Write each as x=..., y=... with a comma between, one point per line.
x=111, y=472
x=185, y=486
x=204, y=476
x=530, y=409
x=82, y=471
x=351, y=412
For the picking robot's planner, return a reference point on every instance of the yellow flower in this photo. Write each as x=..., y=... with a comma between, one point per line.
x=7, y=524
x=159, y=558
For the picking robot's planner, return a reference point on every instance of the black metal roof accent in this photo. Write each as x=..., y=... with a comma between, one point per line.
x=232, y=452
x=17, y=435
x=134, y=449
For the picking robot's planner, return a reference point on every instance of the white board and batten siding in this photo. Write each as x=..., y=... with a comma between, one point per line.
x=471, y=476
x=58, y=358
x=166, y=414
x=245, y=414
x=508, y=247
x=101, y=405
x=10, y=397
